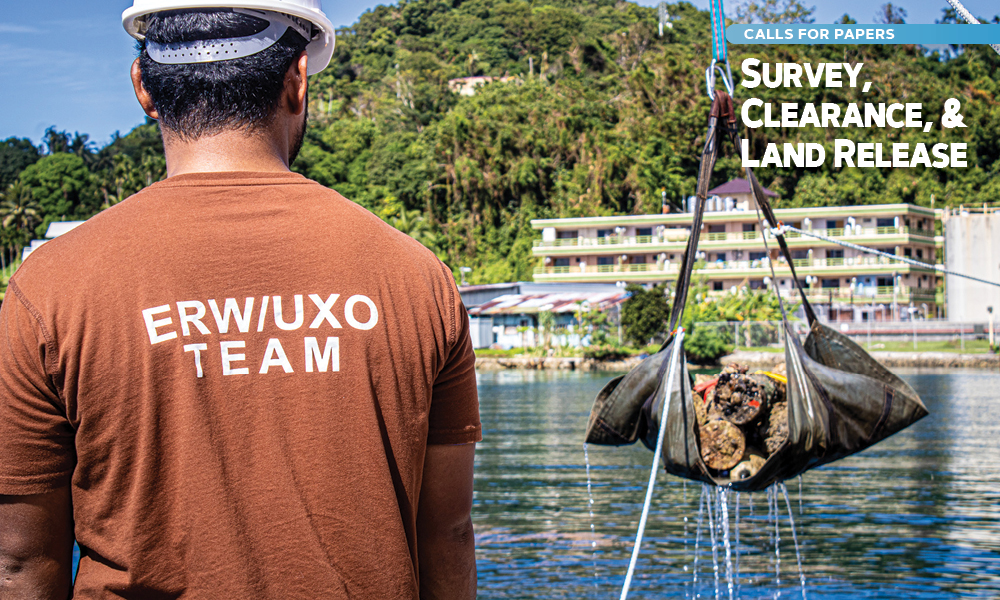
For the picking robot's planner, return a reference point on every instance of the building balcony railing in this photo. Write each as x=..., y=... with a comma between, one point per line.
x=671, y=236
x=742, y=266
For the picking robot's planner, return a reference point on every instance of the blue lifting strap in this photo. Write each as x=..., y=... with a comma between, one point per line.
x=718, y=30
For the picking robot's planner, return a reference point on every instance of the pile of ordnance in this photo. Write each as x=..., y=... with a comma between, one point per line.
x=742, y=419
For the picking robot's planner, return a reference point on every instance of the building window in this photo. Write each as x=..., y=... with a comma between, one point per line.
x=562, y=262
x=756, y=284
x=638, y=260
x=885, y=223
x=831, y=224
x=884, y=282
x=605, y=260
x=831, y=283
x=568, y=234
x=717, y=286
x=717, y=229
x=644, y=231
x=604, y=233
x=907, y=252
x=800, y=254
x=920, y=253
x=749, y=227
x=757, y=255
x=835, y=254
x=720, y=256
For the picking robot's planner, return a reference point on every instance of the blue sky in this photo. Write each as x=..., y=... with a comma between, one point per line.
x=66, y=63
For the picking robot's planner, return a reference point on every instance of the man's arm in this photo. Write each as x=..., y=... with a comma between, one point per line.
x=36, y=546
x=446, y=544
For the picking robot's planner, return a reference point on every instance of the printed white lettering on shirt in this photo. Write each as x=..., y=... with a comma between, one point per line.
x=331, y=354
x=324, y=311
x=263, y=313
x=197, y=348
x=274, y=356
x=151, y=325
x=300, y=314
x=231, y=308
x=228, y=359
x=349, y=312
x=193, y=320
x=187, y=320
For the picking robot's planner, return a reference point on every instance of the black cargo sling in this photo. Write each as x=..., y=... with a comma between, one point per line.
x=840, y=400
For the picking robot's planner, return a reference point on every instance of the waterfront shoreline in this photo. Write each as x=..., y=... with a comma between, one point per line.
x=907, y=360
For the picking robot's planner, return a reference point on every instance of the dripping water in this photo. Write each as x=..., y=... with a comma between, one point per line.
x=800, y=494
x=724, y=525
x=737, y=540
x=590, y=506
x=795, y=540
x=713, y=518
x=697, y=538
x=685, y=524
x=772, y=496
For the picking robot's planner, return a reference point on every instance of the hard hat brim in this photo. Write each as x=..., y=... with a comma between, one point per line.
x=319, y=50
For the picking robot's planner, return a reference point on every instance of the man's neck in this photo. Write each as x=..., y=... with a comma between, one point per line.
x=225, y=151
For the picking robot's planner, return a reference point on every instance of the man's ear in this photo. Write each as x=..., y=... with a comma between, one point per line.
x=145, y=100
x=297, y=85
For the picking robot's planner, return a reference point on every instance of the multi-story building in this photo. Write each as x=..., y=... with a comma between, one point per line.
x=843, y=284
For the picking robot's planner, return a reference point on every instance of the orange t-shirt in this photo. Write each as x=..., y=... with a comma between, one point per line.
x=238, y=374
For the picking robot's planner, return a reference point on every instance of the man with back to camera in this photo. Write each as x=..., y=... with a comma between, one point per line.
x=236, y=383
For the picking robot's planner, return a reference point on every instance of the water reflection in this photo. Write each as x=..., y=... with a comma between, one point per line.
x=917, y=516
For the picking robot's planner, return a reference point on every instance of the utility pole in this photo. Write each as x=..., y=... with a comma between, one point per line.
x=664, y=17
x=989, y=309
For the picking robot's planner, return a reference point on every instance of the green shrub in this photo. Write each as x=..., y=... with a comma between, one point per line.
x=604, y=352
x=706, y=345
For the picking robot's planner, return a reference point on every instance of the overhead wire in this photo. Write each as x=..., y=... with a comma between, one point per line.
x=781, y=229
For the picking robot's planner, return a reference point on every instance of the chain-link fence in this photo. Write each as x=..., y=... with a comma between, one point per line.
x=752, y=334
x=875, y=335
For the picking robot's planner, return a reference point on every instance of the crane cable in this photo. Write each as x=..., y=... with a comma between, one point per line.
x=965, y=14
x=782, y=229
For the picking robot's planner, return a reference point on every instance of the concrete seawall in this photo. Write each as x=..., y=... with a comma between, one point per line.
x=568, y=363
x=757, y=360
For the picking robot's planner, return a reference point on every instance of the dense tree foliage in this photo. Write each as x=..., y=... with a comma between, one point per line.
x=596, y=116
x=645, y=313
x=68, y=179
x=16, y=154
x=591, y=113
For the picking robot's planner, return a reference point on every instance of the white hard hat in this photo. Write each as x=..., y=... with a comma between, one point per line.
x=319, y=50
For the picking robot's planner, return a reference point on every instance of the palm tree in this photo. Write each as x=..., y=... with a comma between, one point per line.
x=414, y=224
x=19, y=211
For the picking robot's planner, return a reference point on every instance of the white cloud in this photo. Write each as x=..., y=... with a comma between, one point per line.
x=11, y=28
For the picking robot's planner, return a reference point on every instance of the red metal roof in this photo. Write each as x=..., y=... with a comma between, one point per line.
x=557, y=303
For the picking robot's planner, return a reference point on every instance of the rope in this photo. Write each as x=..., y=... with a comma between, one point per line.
x=965, y=14
x=671, y=374
x=781, y=230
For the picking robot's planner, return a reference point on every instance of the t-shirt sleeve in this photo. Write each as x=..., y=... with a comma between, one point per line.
x=36, y=438
x=454, y=413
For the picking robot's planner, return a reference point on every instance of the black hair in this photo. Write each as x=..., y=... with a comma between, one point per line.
x=200, y=99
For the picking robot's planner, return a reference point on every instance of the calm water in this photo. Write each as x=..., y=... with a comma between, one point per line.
x=916, y=516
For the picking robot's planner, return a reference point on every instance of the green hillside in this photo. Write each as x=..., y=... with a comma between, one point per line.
x=597, y=115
